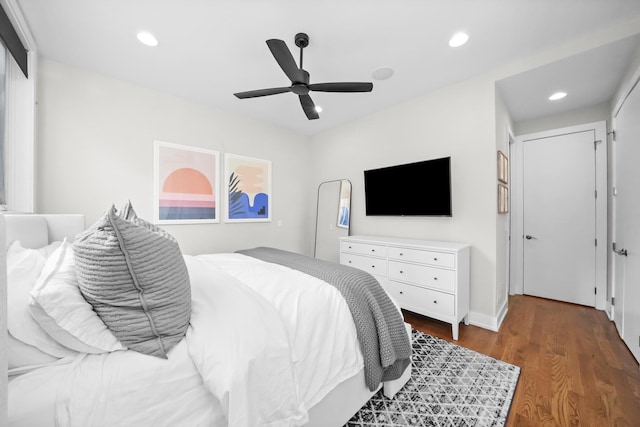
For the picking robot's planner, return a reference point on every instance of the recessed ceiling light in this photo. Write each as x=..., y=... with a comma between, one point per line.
x=318, y=109
x=383, y=73
x=147, y=38
x=557, y=95
x=458, y=39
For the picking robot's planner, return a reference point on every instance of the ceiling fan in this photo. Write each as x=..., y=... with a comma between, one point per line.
x=300, y=78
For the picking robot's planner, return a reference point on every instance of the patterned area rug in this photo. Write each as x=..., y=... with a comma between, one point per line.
x=449, y=386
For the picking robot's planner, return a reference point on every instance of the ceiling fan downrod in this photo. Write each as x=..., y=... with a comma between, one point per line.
x=302, y=41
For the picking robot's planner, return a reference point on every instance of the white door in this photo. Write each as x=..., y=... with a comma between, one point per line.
x=559, y=218
x=627, y=221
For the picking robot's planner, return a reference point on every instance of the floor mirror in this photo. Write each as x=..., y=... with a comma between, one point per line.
x=332, y=218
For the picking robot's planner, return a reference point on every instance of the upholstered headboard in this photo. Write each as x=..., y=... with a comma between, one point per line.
x=36, y=231
x=33, y=231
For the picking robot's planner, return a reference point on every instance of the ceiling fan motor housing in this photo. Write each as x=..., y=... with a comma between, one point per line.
x=304, y=79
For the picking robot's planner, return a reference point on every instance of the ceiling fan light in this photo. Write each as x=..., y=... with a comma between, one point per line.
x=458, y=39
x=147, y=39
x=558, y=95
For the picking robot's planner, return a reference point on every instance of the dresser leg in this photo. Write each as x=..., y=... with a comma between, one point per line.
x=466, y=320
x=454, y=331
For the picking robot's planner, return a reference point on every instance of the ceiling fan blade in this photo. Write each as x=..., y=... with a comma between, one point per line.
x=262, y=92
x=341, y=87
x=309, y=107
x=283, y=55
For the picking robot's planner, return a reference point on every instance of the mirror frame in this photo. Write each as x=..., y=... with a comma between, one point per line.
x=315, y=238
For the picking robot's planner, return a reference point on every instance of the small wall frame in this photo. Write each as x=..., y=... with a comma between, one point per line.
x=503, y=168
x=503, y=198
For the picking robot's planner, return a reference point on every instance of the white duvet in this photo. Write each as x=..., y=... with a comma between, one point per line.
x=265, y=344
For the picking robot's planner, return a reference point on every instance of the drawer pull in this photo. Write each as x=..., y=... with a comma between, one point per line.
x=435, y=301
x=373, y=266
x=349, y=247
x=401, y=293
x=401, y=254
x=349, y=261
x=401, y=271
x=435, y=278
x=435, y=259
x=373, y=250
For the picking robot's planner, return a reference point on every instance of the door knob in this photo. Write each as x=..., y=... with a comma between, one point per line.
x=529, y=237
x=622, y=252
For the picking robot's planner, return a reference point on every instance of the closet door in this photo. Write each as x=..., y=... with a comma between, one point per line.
x=559, y=182
x=627, y=221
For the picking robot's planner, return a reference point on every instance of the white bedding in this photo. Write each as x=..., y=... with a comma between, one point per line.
x=265, y=344
x=324, y=343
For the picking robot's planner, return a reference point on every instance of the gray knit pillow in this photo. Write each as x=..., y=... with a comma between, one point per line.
x=134, y=275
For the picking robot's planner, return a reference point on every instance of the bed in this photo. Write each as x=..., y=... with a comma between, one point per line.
x=266, y=344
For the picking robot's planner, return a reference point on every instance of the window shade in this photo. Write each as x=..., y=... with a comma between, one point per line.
x=12, y=42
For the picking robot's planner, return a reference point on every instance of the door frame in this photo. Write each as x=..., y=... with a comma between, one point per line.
x=616, y=288
x=599, y=130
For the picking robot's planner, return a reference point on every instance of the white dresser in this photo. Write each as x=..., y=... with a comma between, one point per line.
x=426, y=277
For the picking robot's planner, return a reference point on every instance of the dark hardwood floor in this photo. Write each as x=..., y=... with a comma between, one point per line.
x=575, y=370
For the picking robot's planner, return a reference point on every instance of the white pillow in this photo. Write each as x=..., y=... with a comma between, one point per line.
x=23, y=269
x=16, y=250
x=21, y=355
x=58, y=306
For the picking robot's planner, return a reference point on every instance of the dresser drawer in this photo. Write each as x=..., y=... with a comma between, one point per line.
x=440, y=259
x=422, y=275
x=420, y=300
x=364, y=248
x=374, y=266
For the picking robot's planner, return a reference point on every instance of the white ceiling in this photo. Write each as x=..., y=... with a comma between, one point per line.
x=209, y=49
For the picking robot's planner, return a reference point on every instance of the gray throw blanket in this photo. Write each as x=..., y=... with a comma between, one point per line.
x=383, y=338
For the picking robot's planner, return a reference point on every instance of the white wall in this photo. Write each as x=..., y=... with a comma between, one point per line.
x=595, y=113
x=95, y=147
x=457, y=121
x=504, y=128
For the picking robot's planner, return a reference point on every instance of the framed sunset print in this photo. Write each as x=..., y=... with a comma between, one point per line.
x=186, y=184
x=247, y=181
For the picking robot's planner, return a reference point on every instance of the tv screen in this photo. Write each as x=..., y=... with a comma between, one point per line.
x=413, y=189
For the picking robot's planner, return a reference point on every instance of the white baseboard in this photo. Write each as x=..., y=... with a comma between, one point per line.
x=491, y=323
x=503, y=312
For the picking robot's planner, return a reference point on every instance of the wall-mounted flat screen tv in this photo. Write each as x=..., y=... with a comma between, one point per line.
x=412, y=189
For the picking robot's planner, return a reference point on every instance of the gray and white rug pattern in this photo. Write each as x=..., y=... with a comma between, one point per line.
x=449, y=386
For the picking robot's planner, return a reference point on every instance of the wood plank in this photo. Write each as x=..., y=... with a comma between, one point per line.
x=575, y=369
